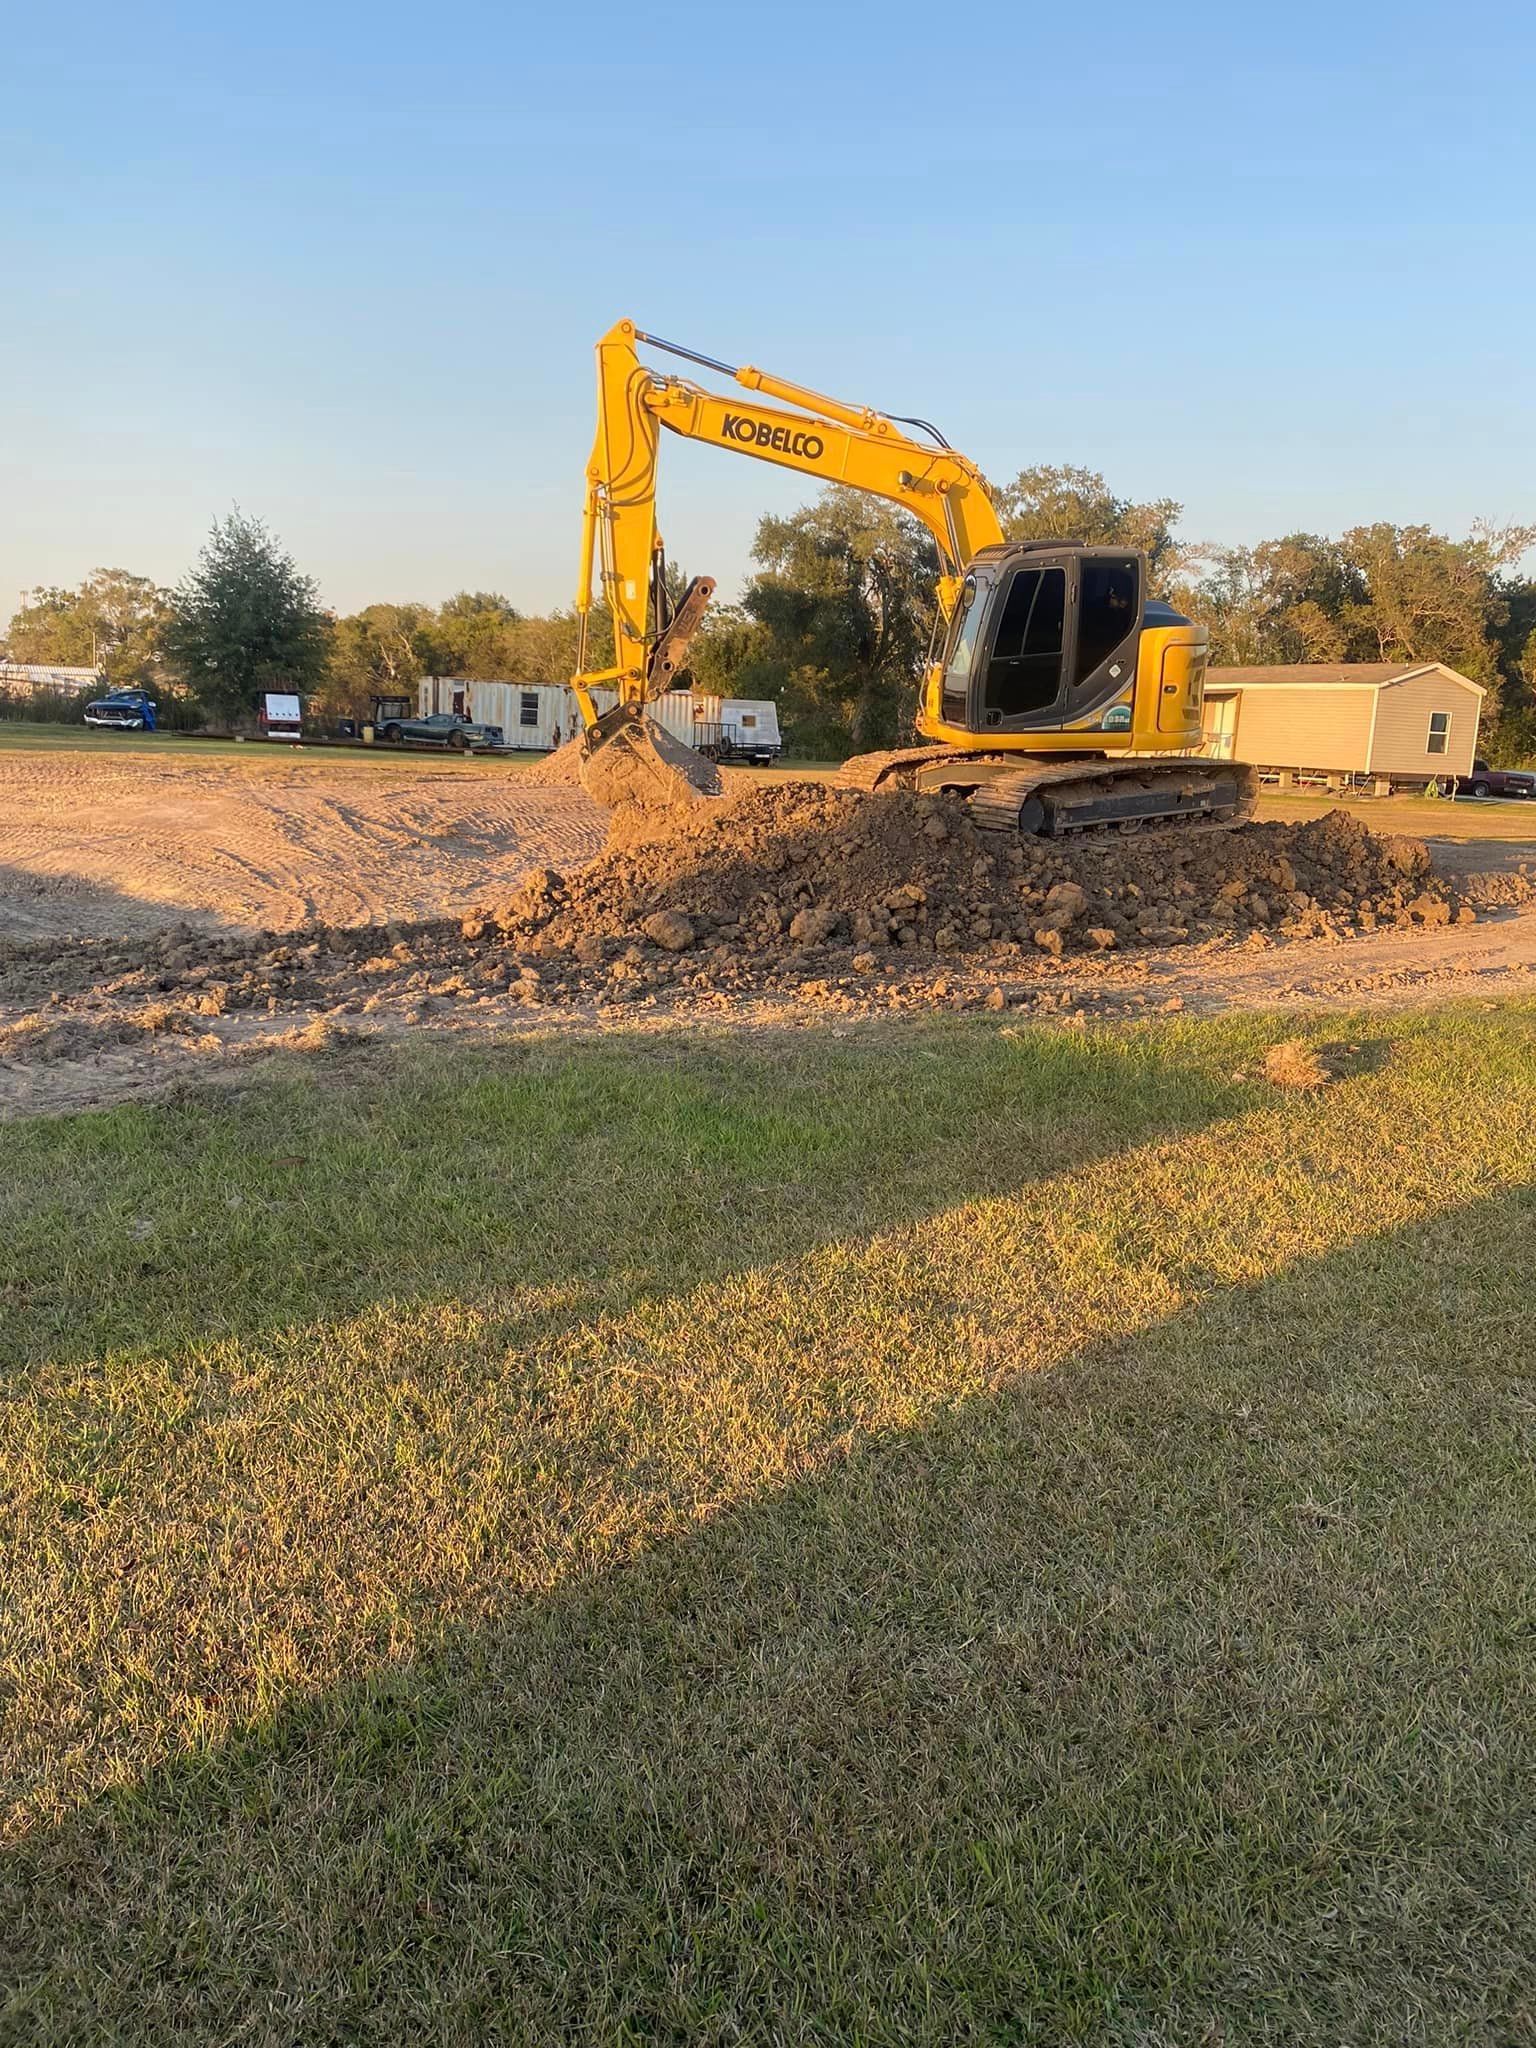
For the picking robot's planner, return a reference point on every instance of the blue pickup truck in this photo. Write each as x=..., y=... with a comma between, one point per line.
x=123, y=711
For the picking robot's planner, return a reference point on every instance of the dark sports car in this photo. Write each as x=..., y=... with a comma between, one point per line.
x=442, y=729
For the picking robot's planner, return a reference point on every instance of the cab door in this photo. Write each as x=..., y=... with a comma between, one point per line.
x=1026, y=648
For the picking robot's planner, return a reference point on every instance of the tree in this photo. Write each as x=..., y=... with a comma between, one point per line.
x=1433, y=599
x=246, y=620
x=382, y=650
x=476, y=635
x=845, y=602
x=1517, y=638
x=1059, y=502
x=1381, y=593
x=114, y=621
x=732, y=654
x=1285, y=600
x=545, y=650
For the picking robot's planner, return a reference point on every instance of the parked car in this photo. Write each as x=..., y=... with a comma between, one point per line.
x=123, y=710
x=442, y=729
x=1486, y=781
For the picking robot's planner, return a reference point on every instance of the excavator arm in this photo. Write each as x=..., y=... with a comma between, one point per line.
x=821, y=437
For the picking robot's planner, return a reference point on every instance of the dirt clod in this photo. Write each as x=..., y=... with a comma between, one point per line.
x=1293, y=1064
x=668, y=929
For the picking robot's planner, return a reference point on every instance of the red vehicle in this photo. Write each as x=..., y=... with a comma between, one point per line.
x=1486, y=781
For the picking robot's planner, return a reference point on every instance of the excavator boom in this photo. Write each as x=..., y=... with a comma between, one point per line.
x=834, y=442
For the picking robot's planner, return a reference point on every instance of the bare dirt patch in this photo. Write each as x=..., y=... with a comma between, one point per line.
x=126, y=844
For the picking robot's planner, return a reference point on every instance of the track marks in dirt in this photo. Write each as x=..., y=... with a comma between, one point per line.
x=127, y=844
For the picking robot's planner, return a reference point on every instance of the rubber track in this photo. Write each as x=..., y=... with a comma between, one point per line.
x=997, y=803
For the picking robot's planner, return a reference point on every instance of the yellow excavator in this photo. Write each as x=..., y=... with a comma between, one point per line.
x=1059, y=698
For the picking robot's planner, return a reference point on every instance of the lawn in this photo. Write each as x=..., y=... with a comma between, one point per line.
x=18, y=736
x=1466, y=818
x=922, y=1534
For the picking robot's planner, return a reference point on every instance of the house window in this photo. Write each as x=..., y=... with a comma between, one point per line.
x=1439, y=732
x=528, y=709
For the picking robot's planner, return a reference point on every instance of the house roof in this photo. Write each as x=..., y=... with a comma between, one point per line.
x=1335, y=675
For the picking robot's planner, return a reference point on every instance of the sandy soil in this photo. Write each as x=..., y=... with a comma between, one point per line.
x=94, y=844
x=58, y=1060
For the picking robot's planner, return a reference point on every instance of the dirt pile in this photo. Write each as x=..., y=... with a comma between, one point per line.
x=637, y=767
x=803, y=866
x=800, y=890
x=559, y=770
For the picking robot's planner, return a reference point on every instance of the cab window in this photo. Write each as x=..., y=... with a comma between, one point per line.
x=964, y=633
x=1107, y=613
x=1024, y=673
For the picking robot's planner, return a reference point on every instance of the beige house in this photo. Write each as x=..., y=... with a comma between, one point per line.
x=1410, y=721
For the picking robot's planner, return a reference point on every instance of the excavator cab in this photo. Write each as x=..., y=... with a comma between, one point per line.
x=1045, y=635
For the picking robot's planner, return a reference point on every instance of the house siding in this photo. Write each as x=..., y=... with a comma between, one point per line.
x=1326, y=728
x=1401, y=745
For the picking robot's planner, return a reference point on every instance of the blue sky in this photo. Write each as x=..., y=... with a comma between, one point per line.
x=344, y=265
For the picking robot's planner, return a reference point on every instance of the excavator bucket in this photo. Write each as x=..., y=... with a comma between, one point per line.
x=630, y=759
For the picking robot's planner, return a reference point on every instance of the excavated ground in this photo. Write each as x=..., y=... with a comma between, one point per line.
x=802, y=868
x=797, y=890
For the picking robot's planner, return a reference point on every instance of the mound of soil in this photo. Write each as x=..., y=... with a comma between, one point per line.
x=558, y=770
x=803, y=865
x=800, y=888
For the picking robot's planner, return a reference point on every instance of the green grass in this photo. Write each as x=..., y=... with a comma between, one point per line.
x=18, y=736
x=21, y=736
x=1420, y=817
x=936, y=1534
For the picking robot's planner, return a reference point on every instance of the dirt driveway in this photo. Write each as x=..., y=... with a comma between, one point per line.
x=98, y=844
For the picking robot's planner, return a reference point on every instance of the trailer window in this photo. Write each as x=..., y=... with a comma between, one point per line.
x=1439, y=732
x=749, y=719
x=1107, y=613
x=528, y=709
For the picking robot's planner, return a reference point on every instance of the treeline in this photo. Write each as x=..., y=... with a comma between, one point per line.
x=835, y=623
x=246, y=620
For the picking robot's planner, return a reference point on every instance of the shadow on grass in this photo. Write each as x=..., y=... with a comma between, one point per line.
x=613, y=1169
x=1180, y=1694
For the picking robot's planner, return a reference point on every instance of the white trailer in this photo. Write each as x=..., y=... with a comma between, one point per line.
x=543, y=715
x=737, y=729
x=537, y=716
